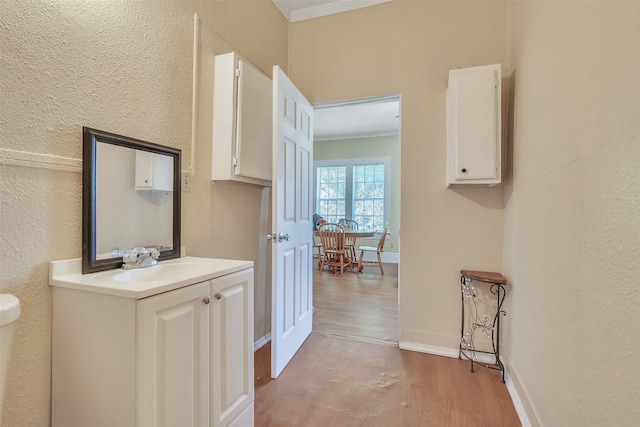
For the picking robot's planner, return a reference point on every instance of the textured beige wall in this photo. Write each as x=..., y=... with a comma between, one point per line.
x=382, y=146
x=408, y=47
x=571, y=223
x=121, y=66
x=229, y=219
x=572, y=218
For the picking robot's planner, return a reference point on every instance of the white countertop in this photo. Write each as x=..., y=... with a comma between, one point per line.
x=144, y=282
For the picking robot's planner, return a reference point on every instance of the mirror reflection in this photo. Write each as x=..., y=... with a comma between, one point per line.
x=131, y=198
x=141, y=183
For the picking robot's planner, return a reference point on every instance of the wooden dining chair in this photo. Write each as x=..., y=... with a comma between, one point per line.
x=377, y=249
x=350, y=241
x=334, y=252
x=317, y=250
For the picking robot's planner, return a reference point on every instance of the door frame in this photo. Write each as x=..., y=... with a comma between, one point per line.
x=397, y=174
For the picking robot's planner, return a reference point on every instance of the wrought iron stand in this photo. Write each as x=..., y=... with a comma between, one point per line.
x=490, y=328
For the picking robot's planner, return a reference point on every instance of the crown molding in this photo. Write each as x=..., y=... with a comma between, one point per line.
x=331, y=8
x=283, y=7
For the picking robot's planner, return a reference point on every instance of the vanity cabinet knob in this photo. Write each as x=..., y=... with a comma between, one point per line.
x=218, y=295
x=206, y=300
x=464, y=170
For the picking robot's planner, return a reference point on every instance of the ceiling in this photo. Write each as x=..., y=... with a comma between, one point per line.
x=301, y=10
x=356, y=119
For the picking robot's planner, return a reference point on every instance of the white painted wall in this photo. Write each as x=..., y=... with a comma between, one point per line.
x=572, y=216
x=408, y=47
x=565, y=229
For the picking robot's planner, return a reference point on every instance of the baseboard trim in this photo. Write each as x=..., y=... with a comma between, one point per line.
x=429, y=349
x=443, y=351
x=354, y=338
x=261, y=342
x=520, y=402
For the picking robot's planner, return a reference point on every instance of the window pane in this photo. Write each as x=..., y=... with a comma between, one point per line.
x=332, y=184
x=368, y=196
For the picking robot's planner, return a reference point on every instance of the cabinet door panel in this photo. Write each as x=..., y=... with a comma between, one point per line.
x=231, y=346
x=242, y=103
x=253, y=138
x=153, y=171
x=173, y=358
x=144, y=170
x=476, y=125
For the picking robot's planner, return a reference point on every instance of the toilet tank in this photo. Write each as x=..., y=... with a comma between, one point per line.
x=9, y=313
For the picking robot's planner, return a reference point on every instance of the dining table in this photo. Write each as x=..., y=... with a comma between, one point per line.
x=352, y=233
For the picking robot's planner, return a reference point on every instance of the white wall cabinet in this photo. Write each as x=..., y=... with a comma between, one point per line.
x=474, y=142
x=178, y=358
x=242, y=121
x=153, y=171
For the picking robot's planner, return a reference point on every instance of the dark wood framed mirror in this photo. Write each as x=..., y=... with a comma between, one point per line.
x=130, y=198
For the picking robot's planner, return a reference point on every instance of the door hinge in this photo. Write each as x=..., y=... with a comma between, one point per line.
x=235, y=161
x=238, y=72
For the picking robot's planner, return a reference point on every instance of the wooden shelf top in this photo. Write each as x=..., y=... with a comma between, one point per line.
x=485, y=276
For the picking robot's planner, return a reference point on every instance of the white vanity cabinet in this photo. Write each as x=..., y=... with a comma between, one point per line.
x=232, y=379
x=474, y=126
x=175, y=357
x=173, y=347
x=242, y=122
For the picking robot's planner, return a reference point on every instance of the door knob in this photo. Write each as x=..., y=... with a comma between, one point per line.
x=277, y=237
x=282, y=236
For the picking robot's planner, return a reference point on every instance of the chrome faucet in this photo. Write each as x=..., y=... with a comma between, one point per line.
x=138, y=257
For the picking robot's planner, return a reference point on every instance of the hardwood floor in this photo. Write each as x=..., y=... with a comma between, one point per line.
x=359, y=305
x=350, y=373
x=337, y=381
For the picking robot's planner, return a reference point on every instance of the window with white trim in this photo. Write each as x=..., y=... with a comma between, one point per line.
x=355, y=189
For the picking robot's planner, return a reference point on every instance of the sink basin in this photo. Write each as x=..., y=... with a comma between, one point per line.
x=162, y=272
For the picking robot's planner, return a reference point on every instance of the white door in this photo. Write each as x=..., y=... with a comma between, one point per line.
x=292, y=284
x=173, y=364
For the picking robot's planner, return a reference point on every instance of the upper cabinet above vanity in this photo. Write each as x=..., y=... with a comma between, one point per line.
x=474, y=126
x=154, y=171
x=242, y=122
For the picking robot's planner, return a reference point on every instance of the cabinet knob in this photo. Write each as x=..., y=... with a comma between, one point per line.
x=218, y=295
x=464, y=170
x=206, y=300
